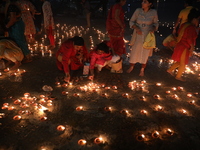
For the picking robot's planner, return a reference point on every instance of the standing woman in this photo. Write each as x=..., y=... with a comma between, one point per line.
x=28, y=11
x=15, y=27
x=48, y=22
x=186, y=41
x=115, y=27
x=143, y=21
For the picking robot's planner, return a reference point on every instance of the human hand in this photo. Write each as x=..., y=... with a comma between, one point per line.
x=67, y=78
x=91, y=77
x=174, y=32
x=138, y=31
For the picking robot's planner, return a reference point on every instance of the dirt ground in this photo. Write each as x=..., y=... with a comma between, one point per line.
x=119, y=127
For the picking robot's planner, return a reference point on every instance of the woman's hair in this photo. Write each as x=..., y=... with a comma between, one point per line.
x=117, y=1
x=189, y=2
x=103, y=47
x=78, y=41
x=151, y=1
x=194, y=13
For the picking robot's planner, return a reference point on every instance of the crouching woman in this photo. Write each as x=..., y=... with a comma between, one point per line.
x=101, y=57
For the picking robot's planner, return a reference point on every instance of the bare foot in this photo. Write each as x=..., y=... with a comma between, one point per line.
x=17, y=64
x=170, y=73
x=180, y=79
x=141, y=73
x=130, y=69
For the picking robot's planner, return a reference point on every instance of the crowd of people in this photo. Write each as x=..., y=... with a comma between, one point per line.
x=72, y=55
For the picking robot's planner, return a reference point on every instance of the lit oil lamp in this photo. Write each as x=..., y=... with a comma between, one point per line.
x=79, y=108
x=114, y=87
x=43, y=118
x=174, y=96
x=169, y=132
x=60, y=128
x=108, y=109
x=143, y=112
x=11, y=108
x=183, y=111
x=17, y=117
x=140, y=137
x=98, y=140
x=142, y=98
x=174, y=89
x=49, y=104
x=82, y=142
x=158, y=84
x=125, y=95
x=168, y=92
x=104, y=94
x=180, y=88
x=156, y=96
x=18, y=101
x=4, y=107
x=65, y=93
x=2, y=115
x=65, y=85
x=107, y=88
x=155, y=134
x=57, y=83
x=125, y=112
x=102, y=85
x=26, y=95
x=143, y=81
x=189, y=95
x=159, y=108
x=76, y=95
x=192, y=102
x=5, y=104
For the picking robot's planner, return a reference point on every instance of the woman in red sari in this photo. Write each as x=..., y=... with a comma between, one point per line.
x=115, y=27
x=185, y=44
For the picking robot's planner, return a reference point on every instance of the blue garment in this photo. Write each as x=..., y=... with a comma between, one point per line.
x=16, y=32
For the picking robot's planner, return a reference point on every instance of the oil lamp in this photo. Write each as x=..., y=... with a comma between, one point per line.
x=156, y=96
x=79, y=108
x=43, y=118
x=98, y=140
x=140, y=137
x=125, y=95
x=169, y=132
x=155, y=134
x=143, y=112
x=60, y=128
x=82, y=142
x=17, y=117
x=192, y=102
x=65, y=93
x=107, y=108
x=142, y=98
x=158, y=84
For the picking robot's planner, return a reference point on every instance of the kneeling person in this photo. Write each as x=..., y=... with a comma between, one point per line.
x=70, y=56
x=11, y=52
x=101, y=56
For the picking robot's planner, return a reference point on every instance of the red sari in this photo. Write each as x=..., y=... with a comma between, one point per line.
x=186, y=37
x=116, y=33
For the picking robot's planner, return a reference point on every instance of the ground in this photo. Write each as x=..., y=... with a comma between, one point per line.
x=120, y=127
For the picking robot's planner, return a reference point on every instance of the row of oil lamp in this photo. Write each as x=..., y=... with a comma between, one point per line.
x=143, y=111
x=93, y=87
x=28, y=105
x=9, y=72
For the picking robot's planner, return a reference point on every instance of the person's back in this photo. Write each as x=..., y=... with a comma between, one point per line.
x=183, y=15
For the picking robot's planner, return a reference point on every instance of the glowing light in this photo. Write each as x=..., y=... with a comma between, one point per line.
x=140, y=137
x=60, y=128
x=98, y=140
x=169, y=132
x=79, y=108
x=155, y=134
x=143, y=112
x=82, y=142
